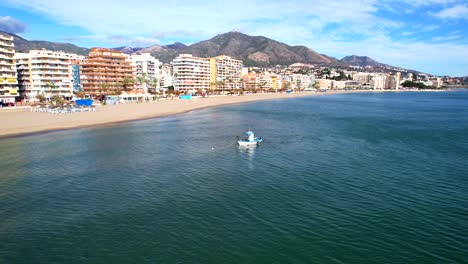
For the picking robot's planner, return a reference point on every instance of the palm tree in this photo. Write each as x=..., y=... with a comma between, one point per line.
x=50, y=85
x=220, y=84
x=230, y=82
x=41, y=98
x=104, y=86
x=127, y=82
x=57, y=100
x=154, y=82
x=141, y=80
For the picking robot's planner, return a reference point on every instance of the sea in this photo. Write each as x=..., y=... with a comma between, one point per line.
x=344, y=178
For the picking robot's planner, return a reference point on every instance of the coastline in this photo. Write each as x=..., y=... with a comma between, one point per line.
x=30, y=123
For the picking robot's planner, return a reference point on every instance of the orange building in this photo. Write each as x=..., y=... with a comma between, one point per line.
x=104, y=71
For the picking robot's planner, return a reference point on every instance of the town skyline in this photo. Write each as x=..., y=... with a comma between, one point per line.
x=428, y=36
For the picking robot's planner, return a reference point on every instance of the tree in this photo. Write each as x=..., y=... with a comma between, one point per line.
x=141, y=80
x=104, y=86
x=220, y=84
x=341, y=77
x=212, y=86
x=41, y=98
x=262, y=85
x=79, y=94
x=126, y=82
x=57, y=100
x=409, y=83
x=154, y=83
x=50, y=85
x=170, y=89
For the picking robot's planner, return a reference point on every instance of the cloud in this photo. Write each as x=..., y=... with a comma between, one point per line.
x=455, y=12
x=208, y=18
x=328, y=26
x=11, y=25
x=118, y=40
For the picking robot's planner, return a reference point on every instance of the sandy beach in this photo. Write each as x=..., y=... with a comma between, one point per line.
x=22, y=123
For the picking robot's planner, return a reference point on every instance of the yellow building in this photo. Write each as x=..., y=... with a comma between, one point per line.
x=8, y=77
x=276, y=82
x=225, y=73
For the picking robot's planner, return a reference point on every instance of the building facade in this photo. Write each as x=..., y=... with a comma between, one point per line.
x=76, y=69
x=45, y=73
x=191, y=73
x=106, y=71
x=226, y=73
x=8, y=76
x=146, y=70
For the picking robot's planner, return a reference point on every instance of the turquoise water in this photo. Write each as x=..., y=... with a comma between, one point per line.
x=357, y=178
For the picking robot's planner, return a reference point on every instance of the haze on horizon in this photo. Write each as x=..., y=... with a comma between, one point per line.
x=425, y=35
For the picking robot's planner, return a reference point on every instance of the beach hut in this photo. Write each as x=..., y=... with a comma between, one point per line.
x=84, y=102
x=135, y=96
x=186, y=97
x=112, y=99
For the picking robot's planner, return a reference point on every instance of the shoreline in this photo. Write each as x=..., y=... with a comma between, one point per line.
x=21, y=124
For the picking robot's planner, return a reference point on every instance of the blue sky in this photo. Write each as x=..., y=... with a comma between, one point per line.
x=425, y=35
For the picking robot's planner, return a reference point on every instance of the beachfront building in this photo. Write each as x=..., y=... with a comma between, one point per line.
x=226, y=73
x=76, y=72
x=166, y=76
x=380, y=81
x=300, y=81
x=257, y=81
x=106, y=71
x=324, y=84
x=8, y=77
x=146, y=72
x=276, y=82
x=45, y=73
x=191, y=74
x=364, y=78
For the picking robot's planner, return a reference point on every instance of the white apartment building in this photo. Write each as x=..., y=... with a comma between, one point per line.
x=191, y=73
x=47, y=73
x=166, y=76
x=147, y=67
x=364, y=78
x=226, y=73
x=300, y=81
x=8, y=79
x=380, y=81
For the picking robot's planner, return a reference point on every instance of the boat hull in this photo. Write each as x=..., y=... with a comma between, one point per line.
x=249, y=143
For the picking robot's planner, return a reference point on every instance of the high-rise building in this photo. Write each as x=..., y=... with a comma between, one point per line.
x=106, y=71
x=8, y=79
x=76, y=71
x=146, y=70
x=46, y=73
x=226, y=73
x=191, y=73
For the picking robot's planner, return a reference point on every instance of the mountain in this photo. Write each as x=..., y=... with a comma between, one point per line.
x=362, y=61
x=252, y=50
x=127, y=50
x=176, y=45
x=23, y=45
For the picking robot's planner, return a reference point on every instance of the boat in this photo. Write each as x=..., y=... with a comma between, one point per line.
x=250, y=139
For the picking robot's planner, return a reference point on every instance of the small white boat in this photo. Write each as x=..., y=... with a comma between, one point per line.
x=250, y=139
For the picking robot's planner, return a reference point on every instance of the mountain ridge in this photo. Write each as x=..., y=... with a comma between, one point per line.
x=252, y=50
x=24, y=45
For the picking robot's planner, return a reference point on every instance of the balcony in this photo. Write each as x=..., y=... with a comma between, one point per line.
x=6, y=44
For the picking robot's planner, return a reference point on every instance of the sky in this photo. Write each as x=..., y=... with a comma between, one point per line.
x=425, y=35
